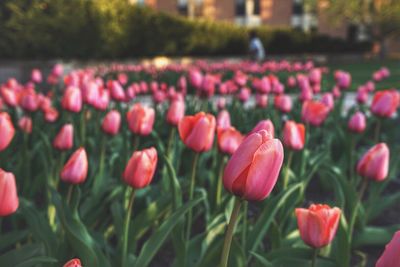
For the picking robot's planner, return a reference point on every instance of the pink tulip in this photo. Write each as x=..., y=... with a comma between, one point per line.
x=229, y=139
x=391, y=255
x=72, y=99
x=294, y=135
x=111, y=122
x=36, y=76
x=140, y=168
x=223, y=119
x=314, y=112
x=8, y=192
x=76, y=169
x=25, y=124
x=28, y=100
x=374, y=164
x=385, y=103
x=357, y=122
x=140, y=119
x=253, y=169
x=327, y=99
x=266, y=125
x=262, y=100
x=283, y=103
x=64, y=140
x=176, y=112
x=7, y=130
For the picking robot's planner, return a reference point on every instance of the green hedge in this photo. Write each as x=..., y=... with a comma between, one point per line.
x=115, y=29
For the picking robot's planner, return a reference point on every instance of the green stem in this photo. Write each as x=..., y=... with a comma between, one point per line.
x=83, y=127
x=244, y=227
x=286, y=177
x=170, y=142
x=377, y=130
x=352, y=146
x=125, y=236
x=99, y=181
x=191, y=192
x=353, y=218
x=136, y=139
x=69, y=194
x=219, y=182
x=229, y=233
x=314, y=258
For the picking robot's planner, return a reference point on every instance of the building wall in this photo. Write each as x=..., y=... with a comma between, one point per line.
x=276, y=13
x=169, y=6
x=225, y=10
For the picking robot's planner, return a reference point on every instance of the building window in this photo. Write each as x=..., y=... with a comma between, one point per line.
x=256, y=7
x=298, y=8
x=240, y=8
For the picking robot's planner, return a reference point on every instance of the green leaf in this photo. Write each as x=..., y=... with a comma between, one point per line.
x=174, y=184
x=261, y=259
x=37, y=260
x=10, y=239
x=375, y=236
x=21, y=255
x=154, y=243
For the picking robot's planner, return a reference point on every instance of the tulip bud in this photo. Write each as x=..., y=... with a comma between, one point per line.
x=374, y=164
x=229, y=139
x=111, y=122
x=72, y=99
x=357, y=122
x=64, y=140
x=140, y=119
x=223, y=119
x=25, y=124
x=385, y=103
x=294, y=135
x=253, y=169
x=7, y=130
x=314, y=112
x=73, y=263
x=8, y=192
x=76, y=168
x=283, y=103
x=197, y=132
x=36, y=76
x=318, y=224
x=391, y=255
x=176, y=112
x=266, y=125
x=140, y=168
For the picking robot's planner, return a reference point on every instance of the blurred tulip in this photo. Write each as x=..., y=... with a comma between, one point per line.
x=262, y=100
x=195, y=78
x=362, y=96
x=72, y=99
x=25, y=124
x=7, y=130
x=8, y=192
x=111, y=122
x=266, y=125
x=294, y=135
x=117, y=91
x=374, y=164
x=140, y=119
x=328, y=100
x=51, y=115
x=391, y=255
x=176, y=112
x=357, y=122
x=76, y=169
x=314, y=112
x=73, y=263
x=36, y=76
x=64, y=140
x=283, y=103
x=229, y=139
x=57, y=70
x=9, y=96
x=197, y=131
x=223, y=119
x=253, y=169
x=244, y=94
x=140, y=168
x=385, y=103
x=221, y=103
x=318, y=224
x=28, y=100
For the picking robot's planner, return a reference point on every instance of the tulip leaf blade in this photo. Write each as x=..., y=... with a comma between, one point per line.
x=175, y=186
x=261, y=259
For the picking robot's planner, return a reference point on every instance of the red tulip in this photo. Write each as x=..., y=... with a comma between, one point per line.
x=283, y=103
x=65, y=138
x=25, y=124
x=223, y=119
x=176, y=112
x=197, y=132
x=266, y=125
x=391, y=255
x=253, y=169
x=8, y=192
x=76, y=168
x=73, y=263
x=140, y=168
x=374, y=164
x=140, y=119
x=7, y=130
x=357, y=122
x=294, y=135
x=111, y=122
x=314, y=112
x=318, y=224
x=72, y=99
x=229, y=139
x=385, y=103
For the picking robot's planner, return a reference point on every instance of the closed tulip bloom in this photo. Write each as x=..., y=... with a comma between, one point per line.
x=111, y=122
x=362, y=95
x=9, y=96
x=328, y=100
x=253, y=169
x=357, y=122
x=294, y=135
x=197, y=131
x=117, y=91
x=72, y=99
x=7, y=130
x=140, y=168
x=283, y=103
x=223, y=119
x=391, y=255
x=76, y=169
x=29, y=100
x=25, y=124
x=195, y=78
x=51, y=114
x=65, y=138
x=8, y=192
x=229, y=139
x=314, y=112
x=262, y=100
x=385, y=103
x=374, y=164
x=176, y=112
x=36, y=76
x=266, y=125
x=73, y=263
x=140, y=119
x=318, y=224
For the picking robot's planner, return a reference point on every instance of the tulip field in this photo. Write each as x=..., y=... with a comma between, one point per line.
x=276, y=164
